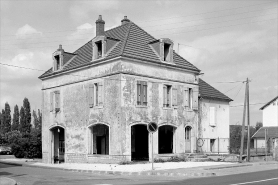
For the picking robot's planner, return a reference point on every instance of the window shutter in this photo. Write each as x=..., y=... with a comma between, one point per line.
x=145, y=96
x=186, y=97
x=164, y=95
x=212, y=116
x=195, y=98
x=51, y=101
x=175, y=94
x=168, y=90
x=142, y=93
x=138, y=93
x=100, y=93
x=57, y=99
x=91, y=95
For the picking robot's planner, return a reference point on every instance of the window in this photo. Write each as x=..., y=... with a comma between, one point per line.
x=57, y=62
x=167, y=52
x=55, y=101
x=99, y=49
x=96, y=94
x=212, y=116
x=188, y=98
x=142, y=89
x=167, y=95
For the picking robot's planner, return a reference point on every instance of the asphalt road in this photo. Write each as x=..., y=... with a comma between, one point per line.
x=39, y=176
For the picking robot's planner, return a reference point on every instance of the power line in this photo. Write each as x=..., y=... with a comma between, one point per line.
x=163, y=24
x=171, y=33
x=232, y=88
x=238, y=91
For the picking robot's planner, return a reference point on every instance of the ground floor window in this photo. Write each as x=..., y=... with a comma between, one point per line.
x=166, y=139
x=99, y=139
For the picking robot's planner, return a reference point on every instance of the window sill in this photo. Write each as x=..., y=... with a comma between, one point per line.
x=97, y=107
x=167, y=108
x=141, y=106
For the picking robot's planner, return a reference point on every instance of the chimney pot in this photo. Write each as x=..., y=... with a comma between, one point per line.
x=100, y=26
x=125, y=20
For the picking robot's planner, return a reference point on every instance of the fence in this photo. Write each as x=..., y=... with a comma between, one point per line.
x=213, y=145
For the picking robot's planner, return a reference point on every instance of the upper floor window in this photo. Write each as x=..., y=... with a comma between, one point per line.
x=96, y=94
x=167, y=95
x=99, y=49
x=188, y=98
x=142, y=88
x=212, y=116
x=55, y=101
x=167, y=53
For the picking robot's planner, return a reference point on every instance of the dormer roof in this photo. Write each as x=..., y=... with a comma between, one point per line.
x=133, y=42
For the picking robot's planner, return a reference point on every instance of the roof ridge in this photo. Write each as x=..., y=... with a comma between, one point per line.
x=125, y=38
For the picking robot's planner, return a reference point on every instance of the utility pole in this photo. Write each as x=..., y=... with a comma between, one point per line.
x=243, y=127
x=248, y=122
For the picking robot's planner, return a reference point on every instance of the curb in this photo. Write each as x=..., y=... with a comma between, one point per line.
x=7, y=181
x=147, y=173
x=223, y=167
x=142, y=173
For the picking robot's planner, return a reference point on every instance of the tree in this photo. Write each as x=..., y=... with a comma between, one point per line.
x=8, y=118
x=259, y=125
x=15, y=125
x=3, y=120
x=25, y=117
x=1, y=129
x=28, y=116
x=22, y=120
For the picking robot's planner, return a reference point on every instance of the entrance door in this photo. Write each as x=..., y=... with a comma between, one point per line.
x=57, y=145
x=187, y=139
x=101, y=143
x=212, y=142
x=139, y=142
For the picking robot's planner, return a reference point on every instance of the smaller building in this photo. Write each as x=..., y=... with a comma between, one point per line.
x=264, y=138
x=270, y=113
x=213, y=126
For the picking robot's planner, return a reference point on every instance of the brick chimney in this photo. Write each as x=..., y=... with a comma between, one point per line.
x=100, y=26
x=125, y=20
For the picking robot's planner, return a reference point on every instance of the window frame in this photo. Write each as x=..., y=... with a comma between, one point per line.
x=141, y=101
x=96, y=94
x=212, y=123
x=168, y=96
x=55, y=101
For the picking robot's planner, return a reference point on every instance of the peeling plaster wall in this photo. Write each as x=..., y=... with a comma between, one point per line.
x=119, y=108
x=221, y=130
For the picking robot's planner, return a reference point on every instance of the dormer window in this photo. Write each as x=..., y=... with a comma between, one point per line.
x=99, y=49
x=57, y=62
x=167, y=52
x=58, y=58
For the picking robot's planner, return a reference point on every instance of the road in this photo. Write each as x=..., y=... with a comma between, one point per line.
x=39, y=176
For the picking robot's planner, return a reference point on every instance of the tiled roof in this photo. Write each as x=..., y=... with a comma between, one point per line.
x=133, y=43
x=207, y=91
x=268, y=103
x=271, y=132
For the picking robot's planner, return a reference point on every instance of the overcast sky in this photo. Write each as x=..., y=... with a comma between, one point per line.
x=228, y=40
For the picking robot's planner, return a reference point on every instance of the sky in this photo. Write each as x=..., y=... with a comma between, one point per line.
x=229, y=41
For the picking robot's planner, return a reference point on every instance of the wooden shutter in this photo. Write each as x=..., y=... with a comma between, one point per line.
x=91, y=95
x=139, y=92
x=51, y=101
x=100, y=93
x=145, y=89
x=186, y=97
x=212, y=116
x=195, y=97
x=168, y=90
x=175, y=95
x=164, y=96
x=57, y=100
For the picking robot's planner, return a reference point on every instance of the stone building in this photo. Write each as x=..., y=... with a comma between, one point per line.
x=98, y=100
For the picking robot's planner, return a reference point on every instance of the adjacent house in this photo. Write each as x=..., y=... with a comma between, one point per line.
x=270, y=113
x=213, y=123
x=98, y=100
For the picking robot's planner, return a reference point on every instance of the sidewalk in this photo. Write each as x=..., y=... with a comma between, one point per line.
x=186, y=169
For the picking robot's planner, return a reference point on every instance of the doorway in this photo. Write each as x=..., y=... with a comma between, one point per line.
x=57, y=144
x=166, y=139
x=139, y=142
x=187, y=139
x=212, y=143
